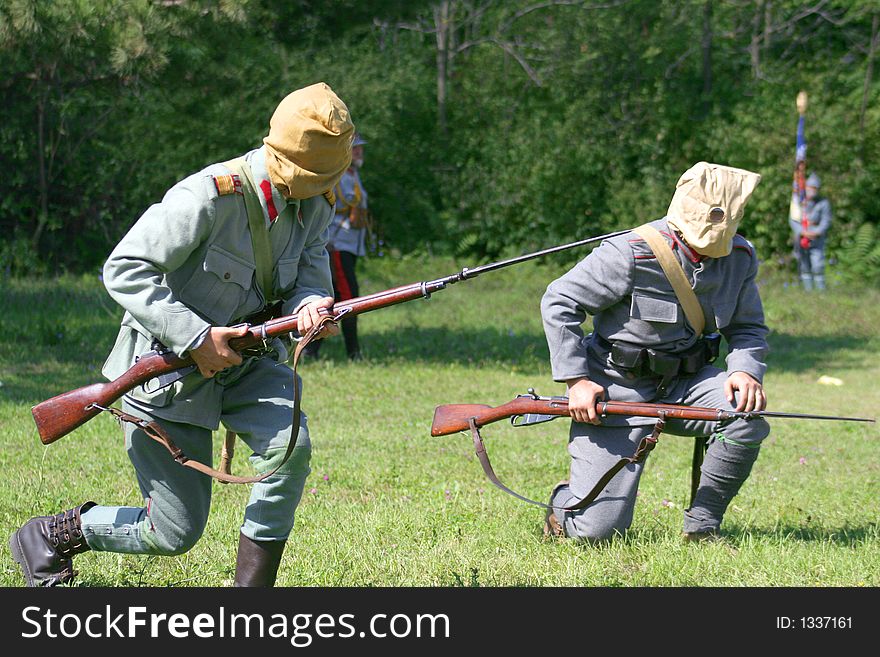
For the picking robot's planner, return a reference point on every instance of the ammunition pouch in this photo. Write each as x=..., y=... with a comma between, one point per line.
x=642, y=361
x=663, y=365
x=627, y=356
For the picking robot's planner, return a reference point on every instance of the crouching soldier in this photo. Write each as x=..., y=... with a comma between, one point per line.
x=222, y=246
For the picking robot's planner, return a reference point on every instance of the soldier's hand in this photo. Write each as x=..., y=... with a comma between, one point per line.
x=751, y=393
x=215, y=354
x=582, y=397
x=308, y=316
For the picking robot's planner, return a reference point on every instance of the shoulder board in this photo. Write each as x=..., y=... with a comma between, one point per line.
x=640, y=248
x=228, y=184
x=740, y=242
x=634, y=238
x=331, y=197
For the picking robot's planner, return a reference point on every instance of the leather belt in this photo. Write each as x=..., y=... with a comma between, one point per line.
x=644, y=361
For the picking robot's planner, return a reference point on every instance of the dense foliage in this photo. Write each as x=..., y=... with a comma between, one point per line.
x=493, y=126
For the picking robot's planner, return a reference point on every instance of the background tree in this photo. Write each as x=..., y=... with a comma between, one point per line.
x=492, y=126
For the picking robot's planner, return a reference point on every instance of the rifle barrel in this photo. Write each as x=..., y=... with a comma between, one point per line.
x=470, y=273
x=807, y=416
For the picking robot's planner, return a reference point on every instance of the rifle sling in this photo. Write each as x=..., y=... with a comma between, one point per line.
x=700, y=445
x=257, y=224
x=157, y=433
x=644, y=448
x=227, y=452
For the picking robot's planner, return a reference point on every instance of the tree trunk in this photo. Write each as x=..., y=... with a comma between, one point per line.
x=707, y=57
x=43, y=191
x=755, y=44
x=441, y=21
x=869, y=73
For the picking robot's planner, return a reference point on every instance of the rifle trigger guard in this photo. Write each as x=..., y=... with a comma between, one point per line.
x=526, y=419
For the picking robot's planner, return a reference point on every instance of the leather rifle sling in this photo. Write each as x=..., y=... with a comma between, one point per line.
x=227, y=453
x=692, y=310
x=701, y=443
x=645, y=446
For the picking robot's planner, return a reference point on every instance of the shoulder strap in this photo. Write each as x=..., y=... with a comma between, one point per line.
x=672, y=268
x=257, y=224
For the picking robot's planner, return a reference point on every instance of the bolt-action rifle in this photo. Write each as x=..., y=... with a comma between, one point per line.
x=58, y=416
x=531, y=409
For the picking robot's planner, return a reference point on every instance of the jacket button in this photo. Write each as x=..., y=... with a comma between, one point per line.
x=227, y=276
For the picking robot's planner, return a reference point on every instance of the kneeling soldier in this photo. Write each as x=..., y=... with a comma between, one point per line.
x=658, y=298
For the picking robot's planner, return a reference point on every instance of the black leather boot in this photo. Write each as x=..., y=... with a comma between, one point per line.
x=257, y=562
x=44, y=547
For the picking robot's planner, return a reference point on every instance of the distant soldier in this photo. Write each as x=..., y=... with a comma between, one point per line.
x=655, y=335
x=218, y=250
x=810, y=225
x=348, y=236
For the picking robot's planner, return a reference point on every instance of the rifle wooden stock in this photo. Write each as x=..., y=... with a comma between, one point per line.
x=58, y=416
x=452, y=418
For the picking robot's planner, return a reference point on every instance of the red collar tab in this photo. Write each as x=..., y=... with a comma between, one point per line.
x=266, y=188
x=689, y=253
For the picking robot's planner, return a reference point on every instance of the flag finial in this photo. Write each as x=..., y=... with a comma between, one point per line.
x=802, y=102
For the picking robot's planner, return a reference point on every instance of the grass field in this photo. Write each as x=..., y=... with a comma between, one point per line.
x=388, y=505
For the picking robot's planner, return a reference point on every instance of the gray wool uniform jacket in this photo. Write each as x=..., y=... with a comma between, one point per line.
x=188, y=264
x=819, y=219
x=622, y=286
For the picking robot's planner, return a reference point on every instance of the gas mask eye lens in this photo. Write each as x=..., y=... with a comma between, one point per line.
x=716, y=215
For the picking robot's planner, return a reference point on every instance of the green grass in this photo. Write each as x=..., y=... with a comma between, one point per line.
x=388, y=505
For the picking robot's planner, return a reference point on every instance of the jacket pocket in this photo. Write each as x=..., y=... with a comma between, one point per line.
x=286, y=270
x=220, y=287
x=652, y=309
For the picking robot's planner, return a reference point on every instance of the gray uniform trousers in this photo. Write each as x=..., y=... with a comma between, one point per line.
x=257, y=404
x=732, y=450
